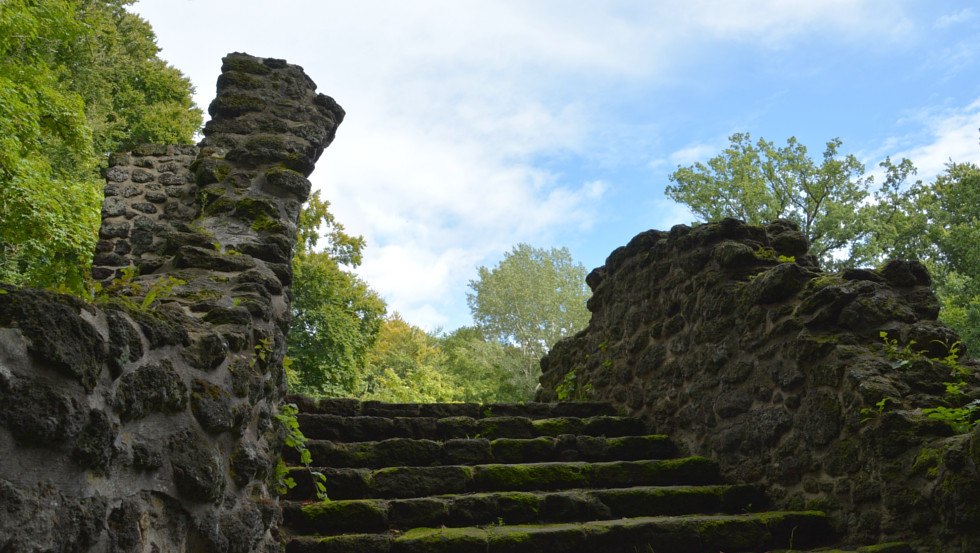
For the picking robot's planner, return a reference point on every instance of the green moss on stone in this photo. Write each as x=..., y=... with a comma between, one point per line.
x=532, y=477
x=443, y=535
x=352, y=515
x=927, y=462
x=264, y=223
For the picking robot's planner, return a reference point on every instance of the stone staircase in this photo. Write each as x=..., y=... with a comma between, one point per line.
x=514, y=478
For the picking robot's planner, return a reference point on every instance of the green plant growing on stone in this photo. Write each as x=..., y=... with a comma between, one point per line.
x=569, y=390
x=957, y=415
x=868, y=413
x=159, y=289
x=126, y=285
x=295, y=439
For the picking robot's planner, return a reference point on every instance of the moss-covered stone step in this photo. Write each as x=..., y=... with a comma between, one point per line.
x=682, y=534
x=890, y=547
x=373, y=428
x=474, y=451
x=404, y=482
x=354, y=408
x=377, y=515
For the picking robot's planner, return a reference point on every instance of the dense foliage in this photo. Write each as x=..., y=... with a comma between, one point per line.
x=939, y=223
x=759, y=183
x=336, y=315
x=530, y=300
x=78, y=79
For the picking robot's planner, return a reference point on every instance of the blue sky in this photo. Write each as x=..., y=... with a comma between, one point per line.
x=472, y=126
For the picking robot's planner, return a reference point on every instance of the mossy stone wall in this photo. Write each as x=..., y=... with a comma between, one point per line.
x=731, y=340
x=144, y=421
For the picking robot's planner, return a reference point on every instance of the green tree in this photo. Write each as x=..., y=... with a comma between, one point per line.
x=407, y=364
x=939, y=223
x=336, y=315
x=530, y=300
x=485, y=371
x=78, y=79
x=759, y=182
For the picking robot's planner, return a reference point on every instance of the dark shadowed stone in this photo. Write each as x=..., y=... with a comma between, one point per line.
x=282, y=181
x=207, y=352
x=246, y=463
x=220, y=315
x=904, y=273
x=201, y=258
x=777, y=284
x=933, y=338
x=154, y=387
x=146, y=456
x=141, y=176
x=790, y=243
x=125, y=345
x=733, y=254
x=58, y=334
x=162, y=327
x=144, y=207
x=212, y=407
x=266, y=251
x=197, y=467
x=123, y=525
x=731, y=403
x=820, y=417
x=244, y=63
x=110, y=260
x=93, y=448
x=37, y=414
x=114, y=229
x=116, y=174
x=113, y=206
x=233, y=105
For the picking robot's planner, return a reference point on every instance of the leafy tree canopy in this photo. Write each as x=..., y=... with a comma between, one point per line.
x=78, y=79
x=939, y=223
x=407, y=365
x=530, y=300
x=759, y=182
x=336, y=315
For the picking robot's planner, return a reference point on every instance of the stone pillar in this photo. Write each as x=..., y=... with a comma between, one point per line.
x=146, y=422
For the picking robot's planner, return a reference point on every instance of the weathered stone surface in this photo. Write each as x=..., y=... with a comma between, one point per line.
x=94, y=447
x=729, y=338
x=152, y=388
x=212, y=406
x=197, y=467
x=171, y=449
x=58, y=334
x=36, y=413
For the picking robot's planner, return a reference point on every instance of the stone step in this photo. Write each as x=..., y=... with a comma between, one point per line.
x=377, y=515
x=355, y=408
x=405, y=482
x=373, y=428
x=475, y=451
x=680, y=534
x=890, y=547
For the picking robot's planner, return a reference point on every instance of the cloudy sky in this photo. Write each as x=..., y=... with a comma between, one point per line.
x=473, y=126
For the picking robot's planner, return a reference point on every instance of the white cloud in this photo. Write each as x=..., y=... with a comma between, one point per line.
x=955, y=18
x=950, y=134
x=693, y=153
x=452, y=104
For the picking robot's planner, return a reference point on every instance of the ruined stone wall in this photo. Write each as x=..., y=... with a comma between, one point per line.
x=145, y=421
x=729, y=338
